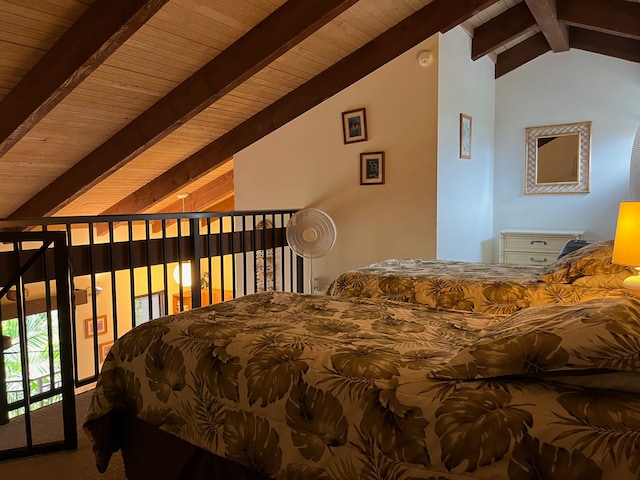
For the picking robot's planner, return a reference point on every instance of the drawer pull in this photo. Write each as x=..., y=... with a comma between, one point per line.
x=544, y=242
x=544, y=260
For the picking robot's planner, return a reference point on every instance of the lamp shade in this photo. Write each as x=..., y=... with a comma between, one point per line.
x=182, y=274
x=626, y=246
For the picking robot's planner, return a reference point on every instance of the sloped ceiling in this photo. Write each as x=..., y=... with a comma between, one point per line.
x=117, y=106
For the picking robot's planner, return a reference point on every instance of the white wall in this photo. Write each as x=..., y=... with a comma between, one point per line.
x=465, y=187
x=306, y=164
x=413, y=115
x=568, y=87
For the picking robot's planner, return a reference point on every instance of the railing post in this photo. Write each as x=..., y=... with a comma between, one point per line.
x=4, y=411
x=196, y=253
x=299, y=274
x=63, y=300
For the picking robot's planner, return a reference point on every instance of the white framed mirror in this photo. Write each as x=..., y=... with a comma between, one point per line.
x=558, y=158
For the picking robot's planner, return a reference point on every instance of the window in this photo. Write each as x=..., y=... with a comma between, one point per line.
x=149, y=307
x=40, y=357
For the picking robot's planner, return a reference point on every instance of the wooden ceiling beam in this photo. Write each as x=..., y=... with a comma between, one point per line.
x=556, y=33
x=501, y=29
x=216, y=192
x=294, y=21
x=103, y=27
x=172, y=182
x=521, y=53
x=462, y=11
x=620, y=18
x=437, y=16
x=611, y=45
x=226, y=204
x=208, y=194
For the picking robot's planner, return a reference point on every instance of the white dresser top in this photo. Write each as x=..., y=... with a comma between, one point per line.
x=543, y=231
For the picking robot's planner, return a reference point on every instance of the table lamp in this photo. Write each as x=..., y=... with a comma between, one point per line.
x=626, y=245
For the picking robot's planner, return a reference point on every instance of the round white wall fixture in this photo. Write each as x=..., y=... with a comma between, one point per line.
x=425, y=58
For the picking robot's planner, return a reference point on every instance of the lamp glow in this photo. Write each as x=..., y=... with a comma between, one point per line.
x=626, y=245
x=185, y=278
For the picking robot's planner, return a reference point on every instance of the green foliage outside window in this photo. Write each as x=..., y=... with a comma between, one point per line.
x=38, y=350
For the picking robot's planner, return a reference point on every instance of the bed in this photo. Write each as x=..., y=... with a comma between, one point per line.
x=293, y=386
x=493, y=288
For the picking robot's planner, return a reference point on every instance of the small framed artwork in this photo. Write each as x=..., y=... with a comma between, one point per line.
x=465, y=136
x=354, y=125
x=101, y=325
x=104, y=350
x=372, y=168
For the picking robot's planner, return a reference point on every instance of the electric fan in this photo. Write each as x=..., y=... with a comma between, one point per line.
x=635, y=168
x=311, y=233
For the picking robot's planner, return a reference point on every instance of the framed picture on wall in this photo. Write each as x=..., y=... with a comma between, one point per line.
x=354, y=125
x=465, y=136
x=104, y=350
x=101, y=322
x=372, y=168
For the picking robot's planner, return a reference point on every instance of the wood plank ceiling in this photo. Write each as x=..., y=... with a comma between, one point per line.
x=116, y=106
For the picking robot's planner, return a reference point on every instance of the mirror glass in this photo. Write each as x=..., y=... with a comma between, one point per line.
x=558, y=158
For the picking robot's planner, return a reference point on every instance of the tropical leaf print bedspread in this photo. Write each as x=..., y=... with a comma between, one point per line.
x=467, y=286
x=318, y=387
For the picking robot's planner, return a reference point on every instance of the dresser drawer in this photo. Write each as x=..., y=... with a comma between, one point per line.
x=530, y=258
x=537, y=243
x=534, y=247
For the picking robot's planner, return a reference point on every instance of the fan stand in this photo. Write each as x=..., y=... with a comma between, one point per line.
x=311, y=286
x=310, y=235
x=635, y=168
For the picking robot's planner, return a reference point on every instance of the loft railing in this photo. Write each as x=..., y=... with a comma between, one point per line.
x=123, y=270
x=32, y=365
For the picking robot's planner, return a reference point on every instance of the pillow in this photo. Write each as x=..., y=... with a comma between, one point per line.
x=594, y=259
x=603, y=280
x=595, y=337
x=571, y=246
x=623, y=381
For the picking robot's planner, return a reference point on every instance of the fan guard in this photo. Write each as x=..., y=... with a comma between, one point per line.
x=635, y=169
x=311, y=233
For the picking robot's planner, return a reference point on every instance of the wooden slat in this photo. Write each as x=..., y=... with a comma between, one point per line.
x=101, y=30
x=38, y=24
x=614, y=17
x=438, y=15
x=104, y=109
x=521, y=53
x=175, y=43
x=499, y=30
x=209, y=194
x=224, y=205
x=463, y=11
x=199, y=200
x=269, y=85
x=557, y=34
x=288, y=25
x=174, y=24
x=611, y=45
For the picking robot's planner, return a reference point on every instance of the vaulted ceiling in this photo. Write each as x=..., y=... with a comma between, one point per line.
x=118, y=106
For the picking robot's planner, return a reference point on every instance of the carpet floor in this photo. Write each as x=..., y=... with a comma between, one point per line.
x=62, y=465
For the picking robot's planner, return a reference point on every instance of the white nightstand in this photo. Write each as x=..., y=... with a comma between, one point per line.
x=534, y=247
